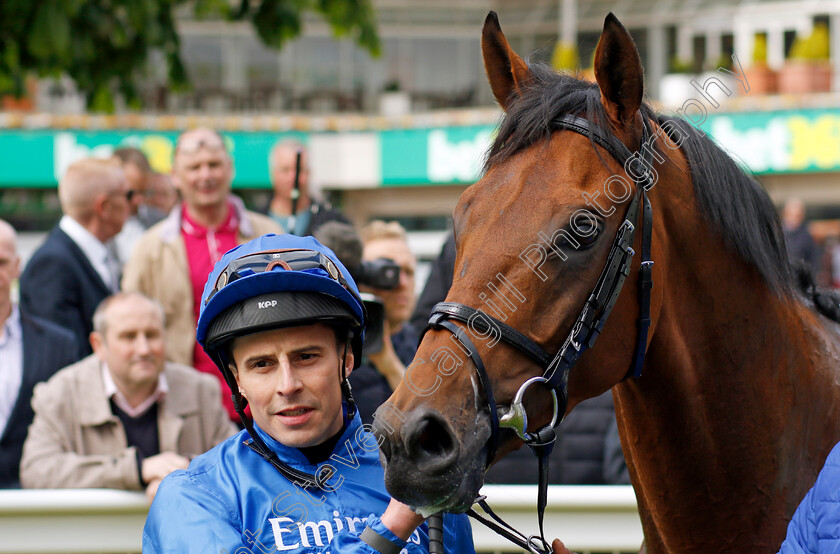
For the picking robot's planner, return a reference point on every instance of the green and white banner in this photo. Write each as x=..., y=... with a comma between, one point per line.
x=39, y=158
x=772, y=142
x=802, y=141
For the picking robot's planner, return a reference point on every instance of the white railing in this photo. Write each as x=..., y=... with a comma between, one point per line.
x=600, y=519
x=71, y=520
x=585, y=518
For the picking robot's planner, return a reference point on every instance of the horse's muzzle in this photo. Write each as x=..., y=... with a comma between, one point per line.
x=424, y=462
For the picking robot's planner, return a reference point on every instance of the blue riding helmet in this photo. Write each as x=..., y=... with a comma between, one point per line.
x=278, y=281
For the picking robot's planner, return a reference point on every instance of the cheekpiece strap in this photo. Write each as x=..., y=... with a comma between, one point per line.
x=486, y=384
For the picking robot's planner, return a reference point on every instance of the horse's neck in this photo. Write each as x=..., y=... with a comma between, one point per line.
x=718, y=430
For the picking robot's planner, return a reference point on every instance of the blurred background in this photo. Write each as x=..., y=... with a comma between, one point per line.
x=396, y=112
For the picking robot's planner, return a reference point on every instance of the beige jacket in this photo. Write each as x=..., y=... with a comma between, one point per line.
x=158, y=268
x=76, y=442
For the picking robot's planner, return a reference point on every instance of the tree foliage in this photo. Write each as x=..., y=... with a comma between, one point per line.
x=104, y=45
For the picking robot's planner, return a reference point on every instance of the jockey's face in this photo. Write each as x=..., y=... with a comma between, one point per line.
x=291, y=380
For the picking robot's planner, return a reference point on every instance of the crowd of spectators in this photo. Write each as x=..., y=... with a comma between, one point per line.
x=813, y=246
x=98, y=359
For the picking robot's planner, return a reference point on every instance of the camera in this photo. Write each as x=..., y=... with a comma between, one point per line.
x=381, y=273
x=375, y=328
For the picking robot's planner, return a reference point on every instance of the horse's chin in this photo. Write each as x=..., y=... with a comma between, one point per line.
x=453, y=491
x=459, y=501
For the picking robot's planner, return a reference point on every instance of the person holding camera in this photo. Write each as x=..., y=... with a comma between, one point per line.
x=388, y=274
x=383, y=265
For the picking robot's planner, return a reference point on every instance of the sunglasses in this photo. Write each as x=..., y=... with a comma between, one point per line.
x=128, y=195
x=192, y=146
x=286, y=260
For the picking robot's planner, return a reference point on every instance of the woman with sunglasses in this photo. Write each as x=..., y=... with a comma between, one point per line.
x=282, y=319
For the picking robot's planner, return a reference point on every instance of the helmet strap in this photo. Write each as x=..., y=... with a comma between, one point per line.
x=346, y=390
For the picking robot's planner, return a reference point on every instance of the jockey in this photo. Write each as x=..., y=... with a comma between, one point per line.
x=282, y=319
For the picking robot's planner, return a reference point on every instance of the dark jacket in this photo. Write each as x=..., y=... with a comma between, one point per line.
x=46, y=349
x=60, y=285
x=802, y=248
x=370, y=388
x=323, y=212
x=586, y=452
x=438, y=284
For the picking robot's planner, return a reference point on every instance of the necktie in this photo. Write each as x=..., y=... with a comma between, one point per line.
x=113, y=266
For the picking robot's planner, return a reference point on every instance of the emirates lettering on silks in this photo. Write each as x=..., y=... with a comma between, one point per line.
x=291, y=516
x=292, y=535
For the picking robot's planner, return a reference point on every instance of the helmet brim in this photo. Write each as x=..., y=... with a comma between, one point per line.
x=276, y=310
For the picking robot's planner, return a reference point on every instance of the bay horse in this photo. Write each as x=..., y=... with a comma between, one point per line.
x=738, y=400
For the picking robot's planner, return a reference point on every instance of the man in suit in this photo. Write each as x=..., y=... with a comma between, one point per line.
x=24, y=360
x=75, y=269
x=123, y=418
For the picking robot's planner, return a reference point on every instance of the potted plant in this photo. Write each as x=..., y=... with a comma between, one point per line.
x=393, y=101
x=807, y=68
x=564, y=58
x=761, y=78
x=24, y=101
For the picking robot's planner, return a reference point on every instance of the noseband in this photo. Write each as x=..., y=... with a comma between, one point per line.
x=588, y=325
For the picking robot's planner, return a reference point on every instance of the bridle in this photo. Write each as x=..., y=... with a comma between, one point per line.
x=588, y=325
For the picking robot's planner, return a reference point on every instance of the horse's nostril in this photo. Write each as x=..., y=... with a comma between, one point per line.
x=432, y=438
x=431, y=444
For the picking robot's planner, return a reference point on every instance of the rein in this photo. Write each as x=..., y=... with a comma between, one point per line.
x=585, y=331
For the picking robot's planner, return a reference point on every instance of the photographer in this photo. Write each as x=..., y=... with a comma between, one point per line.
x=384, y=266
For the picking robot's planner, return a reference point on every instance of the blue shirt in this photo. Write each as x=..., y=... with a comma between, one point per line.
x=296, y=224
x=815, y=526
x=230, y=498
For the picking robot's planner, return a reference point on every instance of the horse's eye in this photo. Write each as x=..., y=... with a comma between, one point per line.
x=586, y=232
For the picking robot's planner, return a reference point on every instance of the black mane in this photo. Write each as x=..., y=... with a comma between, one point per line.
x=737, y=206
x=732, y=202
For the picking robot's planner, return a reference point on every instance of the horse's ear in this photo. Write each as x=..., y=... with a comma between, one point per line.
x=506, y=71
x=618, y=71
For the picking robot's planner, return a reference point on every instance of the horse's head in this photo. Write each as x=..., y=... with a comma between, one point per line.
x=533, y=236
